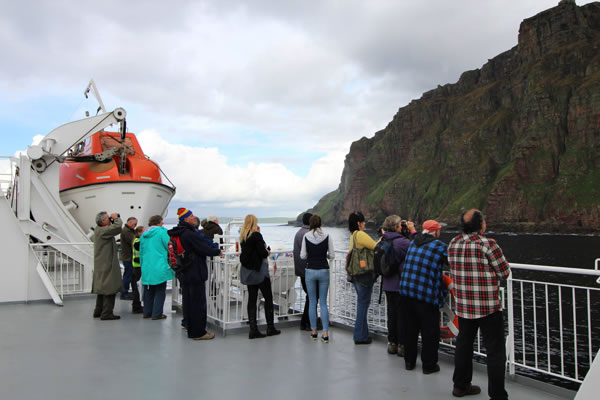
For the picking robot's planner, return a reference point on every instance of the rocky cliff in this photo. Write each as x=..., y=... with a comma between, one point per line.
x=518, y=138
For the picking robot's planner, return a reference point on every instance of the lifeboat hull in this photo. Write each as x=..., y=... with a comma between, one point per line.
x=130, y=199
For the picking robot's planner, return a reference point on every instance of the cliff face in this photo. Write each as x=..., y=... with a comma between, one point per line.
x=518, y=138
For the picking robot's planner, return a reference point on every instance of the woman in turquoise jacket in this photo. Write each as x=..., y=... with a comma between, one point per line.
x=155, y=268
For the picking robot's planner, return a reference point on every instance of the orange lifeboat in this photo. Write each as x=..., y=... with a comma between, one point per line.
x=107, y=173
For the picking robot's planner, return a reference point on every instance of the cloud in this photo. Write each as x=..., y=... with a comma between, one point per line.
x=204, y=176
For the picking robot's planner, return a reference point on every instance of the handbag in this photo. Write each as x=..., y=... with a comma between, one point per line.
x=359, y=261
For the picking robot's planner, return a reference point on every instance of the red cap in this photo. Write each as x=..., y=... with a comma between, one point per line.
x=431, y=225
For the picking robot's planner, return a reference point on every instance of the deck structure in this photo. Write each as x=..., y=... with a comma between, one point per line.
x=50, y=352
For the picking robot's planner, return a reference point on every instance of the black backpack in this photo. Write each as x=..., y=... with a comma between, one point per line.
x=384, y=259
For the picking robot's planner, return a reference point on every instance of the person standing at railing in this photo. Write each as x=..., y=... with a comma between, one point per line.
x=136, y=304
x=106, y=281
x=317, y=247
x=127, y=235
x=212, y=227
x=477, y=265
x=300, y=268
x=363, y=284
x=422, y=295
x=193, y=280
x=155, y=267
x=254, y=273
x=392, y=227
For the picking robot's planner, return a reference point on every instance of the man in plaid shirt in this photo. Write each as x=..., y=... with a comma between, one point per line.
x=422, y=294
x=477, y=266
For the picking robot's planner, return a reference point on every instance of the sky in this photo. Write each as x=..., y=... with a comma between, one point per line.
x=248, y=106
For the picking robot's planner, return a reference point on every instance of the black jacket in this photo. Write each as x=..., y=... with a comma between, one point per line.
x=254, y=251
x=200, y=247
x=211, y=229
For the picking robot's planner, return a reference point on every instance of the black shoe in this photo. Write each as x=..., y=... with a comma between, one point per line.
x=272, y=331
x=255, y=334
x=431, y=370
x=409, y=365
x=110, y=318
x=163, y=316
x=96, y=315
x=368, y=341
x=314, y=336
x=325, y=339
x=137, y=311
x=469, y=391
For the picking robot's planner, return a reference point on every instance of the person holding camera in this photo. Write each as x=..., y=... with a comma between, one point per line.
x=106, y=281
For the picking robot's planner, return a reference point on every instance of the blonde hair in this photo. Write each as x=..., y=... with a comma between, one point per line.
x=250, y=226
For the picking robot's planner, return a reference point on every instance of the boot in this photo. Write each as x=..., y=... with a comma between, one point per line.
x=254, y=332
x=269, y=314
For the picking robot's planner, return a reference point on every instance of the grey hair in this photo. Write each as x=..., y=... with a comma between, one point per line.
x=100, y=217
x=391, y=223
x=211, y=218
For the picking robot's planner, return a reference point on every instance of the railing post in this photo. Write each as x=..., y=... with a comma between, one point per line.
x=511, y=326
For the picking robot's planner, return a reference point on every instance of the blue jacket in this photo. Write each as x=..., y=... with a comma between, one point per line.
x=421, y=276
x=153, y=256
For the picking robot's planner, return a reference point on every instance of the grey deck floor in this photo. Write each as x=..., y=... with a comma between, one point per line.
x=50, y=352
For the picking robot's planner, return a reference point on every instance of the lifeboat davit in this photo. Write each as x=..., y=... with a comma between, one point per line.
x=108, y=172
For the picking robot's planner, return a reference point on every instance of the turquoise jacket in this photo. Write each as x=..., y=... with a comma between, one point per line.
x=153, y=256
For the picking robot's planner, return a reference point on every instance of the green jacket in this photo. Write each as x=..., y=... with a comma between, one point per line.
x=106, y=279
x=154, y=256
x=127, y=236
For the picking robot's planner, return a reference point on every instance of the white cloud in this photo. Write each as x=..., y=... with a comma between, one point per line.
x=204, y=175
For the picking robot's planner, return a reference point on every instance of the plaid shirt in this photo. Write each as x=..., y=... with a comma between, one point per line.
x=477, y=265
x=421, y=276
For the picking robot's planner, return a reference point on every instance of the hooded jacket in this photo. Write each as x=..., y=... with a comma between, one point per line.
x=317, y=247
x=421, y=276
x=299, y=263
x=199, y=247
x=154, y=255
x=400, y=245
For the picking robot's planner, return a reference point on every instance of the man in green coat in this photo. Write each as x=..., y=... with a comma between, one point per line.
x=106, y=281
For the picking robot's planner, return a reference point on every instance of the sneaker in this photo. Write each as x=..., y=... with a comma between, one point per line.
x=325, y=339
x=314, y=336
x=431, y=370
x=206, y=336
x=163, y=316
x=392, y=348
x=400, y=352
x=110, y=318
x=469, y=391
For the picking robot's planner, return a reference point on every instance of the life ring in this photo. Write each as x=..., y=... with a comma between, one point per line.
x=451, y=329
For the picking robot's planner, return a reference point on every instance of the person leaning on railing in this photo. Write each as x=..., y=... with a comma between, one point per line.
x=300, y=268
x=477, y=265
x=363, y=284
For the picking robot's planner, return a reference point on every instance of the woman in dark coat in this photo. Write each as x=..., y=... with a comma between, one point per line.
x=254, y=273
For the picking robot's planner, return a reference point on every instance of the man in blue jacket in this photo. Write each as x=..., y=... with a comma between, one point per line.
x=193, y=279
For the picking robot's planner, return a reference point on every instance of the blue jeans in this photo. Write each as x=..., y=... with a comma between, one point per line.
x=363, y=299
x=127, y=276
x=313, y=278
x=154, y=299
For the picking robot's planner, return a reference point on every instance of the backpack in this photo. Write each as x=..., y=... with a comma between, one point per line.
x=384, y=259
x=179, y=260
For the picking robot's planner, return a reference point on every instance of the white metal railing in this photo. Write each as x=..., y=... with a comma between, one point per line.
x=8, y=169
x=553, y=320
x=68, y=275
x=227, y=298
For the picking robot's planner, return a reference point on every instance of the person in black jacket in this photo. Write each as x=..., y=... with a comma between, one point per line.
x=255, y=274
x=193, y=279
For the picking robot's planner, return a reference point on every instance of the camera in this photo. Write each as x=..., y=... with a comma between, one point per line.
x=112, y=220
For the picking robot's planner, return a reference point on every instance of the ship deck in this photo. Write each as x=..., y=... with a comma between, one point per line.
x=50, y=352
